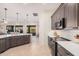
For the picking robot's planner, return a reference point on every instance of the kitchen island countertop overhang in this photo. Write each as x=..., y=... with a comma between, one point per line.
x=10, y=35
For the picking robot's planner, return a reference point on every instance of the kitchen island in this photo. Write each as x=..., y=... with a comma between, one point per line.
x=13, y=40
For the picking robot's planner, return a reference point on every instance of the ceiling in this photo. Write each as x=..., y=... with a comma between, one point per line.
x=30, y=6
x=25, y=8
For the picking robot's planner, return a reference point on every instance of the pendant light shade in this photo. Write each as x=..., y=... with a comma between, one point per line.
x=17, y=18
x=5, y=18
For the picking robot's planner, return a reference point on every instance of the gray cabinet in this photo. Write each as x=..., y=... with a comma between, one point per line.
x=57, y=16
x=2, y=45
x=68, y=11
x=9, y=42
x=56, y=49
x=63, y=52
x=28, y=39
x=71, y=15
x=52, y=22
x=13, y=41
x=24, y=39
x=53, y=46
x=19, y=40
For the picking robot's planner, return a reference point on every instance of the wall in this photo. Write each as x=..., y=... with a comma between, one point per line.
x=44, y=26
x=68, y=34
x=45, y=23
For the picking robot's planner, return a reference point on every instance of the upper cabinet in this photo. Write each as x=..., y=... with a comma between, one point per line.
x=70, y=15
x=53, y=18
x=66, y=16
x=57, y=17
x=77, y=14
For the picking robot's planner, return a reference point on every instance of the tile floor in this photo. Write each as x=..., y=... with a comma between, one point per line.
x=35, y=48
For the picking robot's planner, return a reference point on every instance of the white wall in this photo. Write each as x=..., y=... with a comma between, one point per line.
x=68, y=34
x=44, y=26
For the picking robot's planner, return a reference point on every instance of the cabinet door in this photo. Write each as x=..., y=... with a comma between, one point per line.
x=20, y=40
x=61, y=12
x=13, y=41
x=77, y=9
x=27, y=39
x=53, y=46
x=57, y=16
x=53, y=18
x=70, y=15
x=63, y=52
x=2, y=45
x=7, y=43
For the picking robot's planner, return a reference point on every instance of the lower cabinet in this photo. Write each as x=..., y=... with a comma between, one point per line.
x=53, y=46
x=9, y=42
x=56, y=49
x=13, y=41
x=2, y=45
x=19, y=40
x=26, y=40
x=63, y=52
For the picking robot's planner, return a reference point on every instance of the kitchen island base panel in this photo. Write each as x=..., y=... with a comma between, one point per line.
x=13, y=41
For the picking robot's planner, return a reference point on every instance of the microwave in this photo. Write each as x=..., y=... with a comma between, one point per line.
x=60, y=24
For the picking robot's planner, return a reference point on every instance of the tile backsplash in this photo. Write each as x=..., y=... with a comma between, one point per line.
x=68, y=34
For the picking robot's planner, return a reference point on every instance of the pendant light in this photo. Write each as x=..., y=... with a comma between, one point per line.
x=27, y=18
x=17, y=17
x=5, y=19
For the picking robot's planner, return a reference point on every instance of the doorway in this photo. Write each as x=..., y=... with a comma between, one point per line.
x=31, y=29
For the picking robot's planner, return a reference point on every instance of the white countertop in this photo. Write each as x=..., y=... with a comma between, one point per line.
x=9, y=35
x=51, y=34
x=71, y=46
